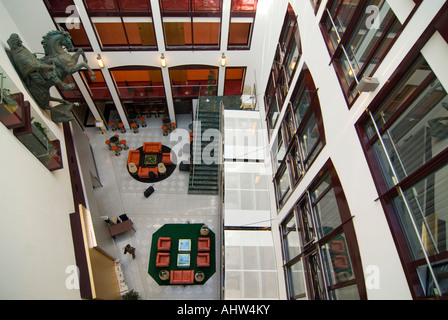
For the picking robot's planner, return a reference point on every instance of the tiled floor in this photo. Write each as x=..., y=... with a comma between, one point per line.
x=170, y=203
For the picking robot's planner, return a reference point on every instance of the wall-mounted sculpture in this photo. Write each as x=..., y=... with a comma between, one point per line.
x=39, y=75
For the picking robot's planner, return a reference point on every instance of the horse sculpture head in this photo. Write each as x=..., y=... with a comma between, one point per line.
x=55, y=41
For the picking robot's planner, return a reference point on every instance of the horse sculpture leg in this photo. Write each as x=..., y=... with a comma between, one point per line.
x=75, y=58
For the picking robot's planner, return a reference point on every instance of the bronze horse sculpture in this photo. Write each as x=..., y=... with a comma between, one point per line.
x=39, y=75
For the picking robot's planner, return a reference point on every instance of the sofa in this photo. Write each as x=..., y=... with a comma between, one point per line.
x=152, y=147
x=145, y=173
x=134, y=156
x=182, y=277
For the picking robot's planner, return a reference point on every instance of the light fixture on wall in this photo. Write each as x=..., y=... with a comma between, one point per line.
x=100, y=61
x=163, y=60
x=223, y=60
x=368, y=84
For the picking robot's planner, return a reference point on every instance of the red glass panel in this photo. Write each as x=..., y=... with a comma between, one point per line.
x=175, y=5
x=244, y=5
x=134, y=5
x=207, y=5
x=101, y=5
x=60, y=5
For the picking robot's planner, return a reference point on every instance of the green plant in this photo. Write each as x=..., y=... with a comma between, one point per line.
x=131, y=295
x=211, y=88
x=41, y=128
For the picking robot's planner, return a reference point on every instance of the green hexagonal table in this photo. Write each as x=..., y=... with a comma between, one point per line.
x=177, y=233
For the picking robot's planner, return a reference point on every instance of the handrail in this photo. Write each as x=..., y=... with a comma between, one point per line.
x=407, y=206
x=221, y=194
x=195, y=138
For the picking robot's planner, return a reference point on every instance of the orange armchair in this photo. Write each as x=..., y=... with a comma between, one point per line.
x=162, y=259
x=167, y=159
x=204, y=244
x=203, y=259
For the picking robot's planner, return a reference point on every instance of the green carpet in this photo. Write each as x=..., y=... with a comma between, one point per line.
x=176, y=232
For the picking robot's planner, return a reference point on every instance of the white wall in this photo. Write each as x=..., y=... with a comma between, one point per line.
x=375, y=241
x=36, y=235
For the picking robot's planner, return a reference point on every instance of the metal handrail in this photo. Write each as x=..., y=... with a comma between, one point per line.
x=408, y=208
x=221, y=194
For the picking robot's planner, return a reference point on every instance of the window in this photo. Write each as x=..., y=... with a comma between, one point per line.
x=194, y=81
x=282, y=185
x=301, y=136
x=66, y=17
x=123, y=25
x=191, y=24
x=405, y=138
x=234, y=81
x=283, y=68
x=242, y=17
x=358, y=39
x=319, y=249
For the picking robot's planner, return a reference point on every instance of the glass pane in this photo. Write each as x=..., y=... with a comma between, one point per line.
x=291, y=239
x=342, y=15
x=428, y=202
x=234, y=81
x=309, y=137
x=317, y=288
x=78, y=35
x=60, y=5
x=111, y=34
x=280, y=151
x=326, y=213
x=419, y=134
x=295, y=164
x=244, y=5
x=283, y=188
x=307, y=222
x=414, y=78
x=206, y=33
x=296, y=279
x=345, y=293
x=336, y=258
x=139, y=83
x=301, y=101
x=291, y=60
x=364, y=45
x=134, y=5
x=177, y=33
x=207, y=5
x=140, y=33
x=239, y=33
x=101, y=5
x=98, y=88
x=175, y=5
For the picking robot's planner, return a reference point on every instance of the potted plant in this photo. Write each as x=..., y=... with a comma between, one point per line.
x=131, y=295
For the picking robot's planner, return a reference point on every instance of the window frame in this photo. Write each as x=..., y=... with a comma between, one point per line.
x=313, y=246
x=337, y=51
x=386, y=193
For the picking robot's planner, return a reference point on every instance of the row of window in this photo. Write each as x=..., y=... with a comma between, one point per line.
x=404, y=134
x=321, y=257
x=129, y=25
x=144, y=87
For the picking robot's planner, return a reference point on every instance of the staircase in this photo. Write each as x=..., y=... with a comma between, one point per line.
x=204, y=176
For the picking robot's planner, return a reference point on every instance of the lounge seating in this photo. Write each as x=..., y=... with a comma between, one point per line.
x=163, y=259
x=203, y=259
x=167, y=159
x=204, y=244
x=164, y=244
x=182, y=277
x=145, y=173
x=134, y=156
x=152, y=147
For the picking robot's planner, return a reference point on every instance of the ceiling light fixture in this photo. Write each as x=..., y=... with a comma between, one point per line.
x=100, y=61
x=223, y=60
x=163, y=60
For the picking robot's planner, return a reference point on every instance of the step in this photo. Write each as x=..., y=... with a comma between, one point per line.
x=203, y=191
